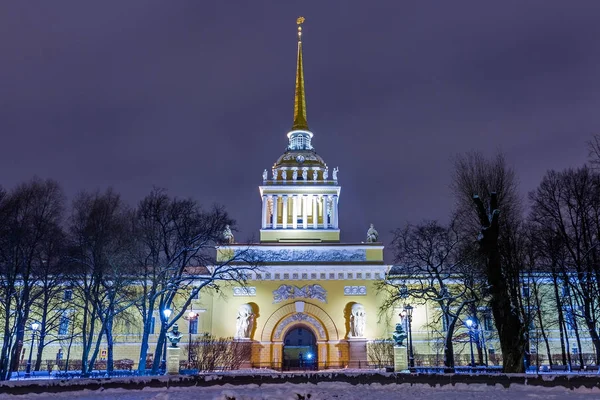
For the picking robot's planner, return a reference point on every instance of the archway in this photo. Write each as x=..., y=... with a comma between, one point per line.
x=300, y=351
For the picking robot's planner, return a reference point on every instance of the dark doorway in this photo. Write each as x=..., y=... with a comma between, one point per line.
x=300, y=350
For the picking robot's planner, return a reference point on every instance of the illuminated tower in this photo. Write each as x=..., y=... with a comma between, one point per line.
x=300, y=201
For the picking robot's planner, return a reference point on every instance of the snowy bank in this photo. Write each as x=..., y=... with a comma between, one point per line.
x=260, y=378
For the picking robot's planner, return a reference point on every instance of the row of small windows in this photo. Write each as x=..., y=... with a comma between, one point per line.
x=527, y=292
x=322, y=275
x=68, y=295
x=65, y=323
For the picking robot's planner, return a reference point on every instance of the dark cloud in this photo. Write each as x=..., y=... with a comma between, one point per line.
x=197, y=96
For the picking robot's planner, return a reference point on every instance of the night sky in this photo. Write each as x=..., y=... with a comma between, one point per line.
x=197, y=96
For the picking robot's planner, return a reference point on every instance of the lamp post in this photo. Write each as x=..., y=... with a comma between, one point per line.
x=408, y=310
x=34, y=327
x=469, y=323
x=166, y=314
x=192, y=316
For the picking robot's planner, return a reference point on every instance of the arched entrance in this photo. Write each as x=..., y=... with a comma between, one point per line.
x=300, y=351
x=329, y=349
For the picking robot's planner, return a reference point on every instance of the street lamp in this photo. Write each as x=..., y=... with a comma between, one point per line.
x=408, y=311
x=166, y=314
x=192, y=316
x=469, y=323
x=34, y=327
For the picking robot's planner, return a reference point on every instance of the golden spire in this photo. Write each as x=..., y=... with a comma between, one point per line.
x=300, y=122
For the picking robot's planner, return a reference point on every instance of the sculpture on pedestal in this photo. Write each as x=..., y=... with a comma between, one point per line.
x=325, y=174
x=372, y=235
x=358, y=318
x=265, y=175
x=335, y=172
x=228, y=235
x=295, y=174
x=399, y=335
x=244, y=322
x=174, y=336
x=304, y=173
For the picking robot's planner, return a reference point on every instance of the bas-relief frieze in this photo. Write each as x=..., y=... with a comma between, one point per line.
x=355, y=290
x=289, y=292
x=299, y=317
x=244, y=291
x=296, y=255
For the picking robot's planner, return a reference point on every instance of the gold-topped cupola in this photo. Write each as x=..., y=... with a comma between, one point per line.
x=300, y=201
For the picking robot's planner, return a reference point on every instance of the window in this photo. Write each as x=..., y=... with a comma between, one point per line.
x=300, y=331
x=525, y=291
x=196, y=296
x=488, y=325
x=299, y=342
x=152, y=324
x=570, y=319
x=565, y=291
x=63, y=327
x=287, y=342
x=194, y=326
x=68, y=295
x=444, y=323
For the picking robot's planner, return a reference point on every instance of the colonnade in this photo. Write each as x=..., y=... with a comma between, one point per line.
x=283, y=211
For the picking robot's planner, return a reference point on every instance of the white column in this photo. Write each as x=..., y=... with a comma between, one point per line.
x=295, y=211
x=284, y=211
x=304, y=211
x=264, y=211
x=274, y=211
x=334, y=212
x=326, y=200
x=315, y=211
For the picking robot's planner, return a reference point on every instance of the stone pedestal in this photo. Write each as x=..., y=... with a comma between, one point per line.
x=400, y=359
x=173, y=354
x=357, y=349
x=246, y=344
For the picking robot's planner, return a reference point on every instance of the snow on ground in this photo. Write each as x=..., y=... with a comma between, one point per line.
x=326, y=390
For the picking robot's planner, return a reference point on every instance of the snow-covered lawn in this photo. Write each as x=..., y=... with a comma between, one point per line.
x=327, y=390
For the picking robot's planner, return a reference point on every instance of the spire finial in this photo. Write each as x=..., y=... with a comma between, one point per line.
x=300, y=122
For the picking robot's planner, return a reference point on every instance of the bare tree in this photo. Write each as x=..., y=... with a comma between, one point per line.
x=175, y=252
x=488, y=202
x=102, y=236
x=433, y=266
x=29, y=216
x=566, y=205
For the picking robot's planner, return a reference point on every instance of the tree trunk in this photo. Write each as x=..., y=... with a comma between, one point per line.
x=449, y=347
x=509, y=325
x=40, y=349
x=109, y=347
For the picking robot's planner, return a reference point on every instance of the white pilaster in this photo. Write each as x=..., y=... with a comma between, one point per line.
x=304, y=212
x=315, y=211
x=274, y=211
x=326, y=201
x=284, y=212
x=295, y=212
x=335, y=212
x=264, y=212
x=269, y=212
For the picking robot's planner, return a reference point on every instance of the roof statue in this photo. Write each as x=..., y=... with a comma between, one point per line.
x=372, y=235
